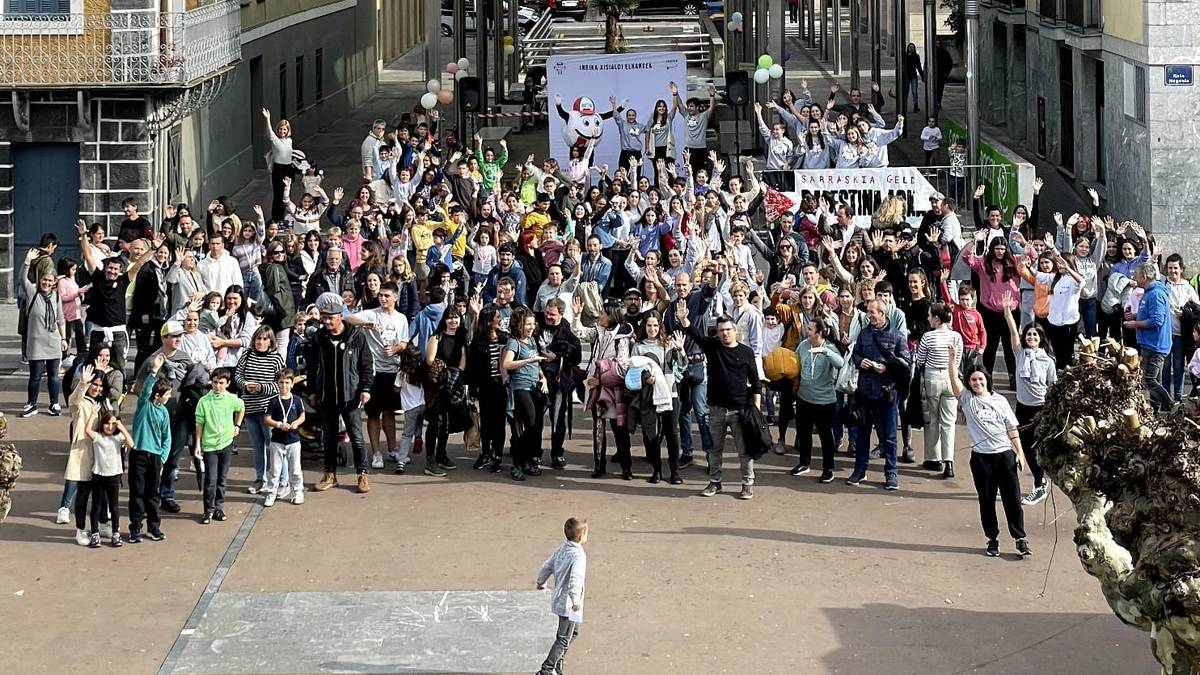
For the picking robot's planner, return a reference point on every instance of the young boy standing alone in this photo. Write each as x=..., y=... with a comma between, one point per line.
x=568, y=564
x=218, y=420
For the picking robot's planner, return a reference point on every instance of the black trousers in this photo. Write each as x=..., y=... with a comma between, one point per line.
x=492, y=404
x=787, y=406
x=278, y=173
x=145, y=470
x=1025, y=415
x=653, y=442
x=148, y=337
x=97, y=512
x=699, y=160
x=216, y=469
x=600, y=444
x=351, y=415
x=106, y=499
x=623, y=160
x=997, y=472
x=437, y=434
x=1062, y=339
x=819, y=415
x=997, y=336
x=528, y=410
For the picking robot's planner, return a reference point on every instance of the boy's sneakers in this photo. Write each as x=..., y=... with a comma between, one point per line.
x=206, y=518
x=269, y=500
x=799, y=470
x=94, y=540
x=711, y=490
x=746, y=493
x=890, y=483
x=81, y=537
x=401, y=467
x=219, y=516
x=54, y=410
x=283, y=492
x=256, y=488
x=855, y=479
x=393, y=455
x=29, y=411
x=135, y=535
x=826, y=476
x=64, y=516
x=298, y=497
x=156, y=535
x=115, y=540
x=993, y=548
x=434, y=470
x=377, y=460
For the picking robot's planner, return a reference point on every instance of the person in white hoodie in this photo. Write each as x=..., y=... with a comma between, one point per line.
x=779, y=146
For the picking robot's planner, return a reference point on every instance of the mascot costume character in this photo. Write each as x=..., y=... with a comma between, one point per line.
x=581, y=124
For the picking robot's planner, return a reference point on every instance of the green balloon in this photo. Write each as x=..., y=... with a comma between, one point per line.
x=765, y=61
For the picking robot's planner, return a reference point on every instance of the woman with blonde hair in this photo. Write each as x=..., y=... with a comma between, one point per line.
x=890, y=213
x=280, y=158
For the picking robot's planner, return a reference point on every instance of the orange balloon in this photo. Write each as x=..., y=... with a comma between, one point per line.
x=445, y=97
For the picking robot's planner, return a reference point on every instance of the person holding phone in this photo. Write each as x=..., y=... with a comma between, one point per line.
x=996, y=455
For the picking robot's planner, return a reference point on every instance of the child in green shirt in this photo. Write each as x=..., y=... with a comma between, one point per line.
x=218, y=421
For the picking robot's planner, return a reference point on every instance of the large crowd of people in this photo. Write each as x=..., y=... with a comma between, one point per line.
x=454, y=304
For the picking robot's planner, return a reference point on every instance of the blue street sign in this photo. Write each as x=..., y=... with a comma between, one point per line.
x=1177, y=76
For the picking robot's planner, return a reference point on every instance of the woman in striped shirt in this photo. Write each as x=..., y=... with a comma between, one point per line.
x=941, y=407
x=255, y=377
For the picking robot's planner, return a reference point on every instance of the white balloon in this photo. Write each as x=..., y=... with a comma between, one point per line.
x=509, y=50
x=775, y=71
x=761, y=76
x=463, y=63
x=433, y=86
x=461, y=74
x=428, y=101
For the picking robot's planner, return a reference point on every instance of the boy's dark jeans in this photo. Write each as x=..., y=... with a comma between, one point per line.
x=216, y=466
x=567, y=632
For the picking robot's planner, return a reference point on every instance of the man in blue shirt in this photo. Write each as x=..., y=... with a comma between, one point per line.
x=1153, y=325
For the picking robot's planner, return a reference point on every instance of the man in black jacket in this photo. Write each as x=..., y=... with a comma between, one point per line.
x=340, y=375
x=333, y=277
x=151, y=303
x=559, y=345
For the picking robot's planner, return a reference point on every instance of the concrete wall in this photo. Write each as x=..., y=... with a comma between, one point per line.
x=218, y=142
x=1125, y=19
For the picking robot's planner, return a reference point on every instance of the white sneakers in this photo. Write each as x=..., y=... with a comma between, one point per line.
x=271, y=497
x=82, y=538
x=393, y=456
x=377, y=460
x=64, y=515
x=269, y=500
x=298, y=498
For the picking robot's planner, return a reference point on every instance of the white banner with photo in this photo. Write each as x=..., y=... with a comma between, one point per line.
x=585, y=84
x=863, y=189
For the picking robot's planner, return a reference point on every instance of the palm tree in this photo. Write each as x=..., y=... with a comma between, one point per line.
x=614, y=41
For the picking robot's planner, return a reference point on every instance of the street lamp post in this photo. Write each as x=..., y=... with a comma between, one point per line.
x=433, y=40
x=837, y=37
x=900, y=41
x=855, y=22
x=971, y=12
x=930, y=45
x=875, y=17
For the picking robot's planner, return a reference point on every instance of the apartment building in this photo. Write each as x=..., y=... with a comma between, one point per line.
x=159, y=99
x=1104, y=90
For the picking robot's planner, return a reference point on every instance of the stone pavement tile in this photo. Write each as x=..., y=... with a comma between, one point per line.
x=367, y=632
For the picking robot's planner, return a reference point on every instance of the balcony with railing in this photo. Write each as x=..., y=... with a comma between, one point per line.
x=119, y=48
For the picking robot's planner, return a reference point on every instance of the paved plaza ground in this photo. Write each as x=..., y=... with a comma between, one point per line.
x=806, y=578
x=430, y=575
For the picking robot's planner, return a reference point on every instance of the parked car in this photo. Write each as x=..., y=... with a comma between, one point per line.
x=687, y=7
x=571, y=9
x=526, y=17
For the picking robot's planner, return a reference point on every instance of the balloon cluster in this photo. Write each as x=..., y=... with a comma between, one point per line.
x=435, y=94
x=735, y=22
x=767, y=69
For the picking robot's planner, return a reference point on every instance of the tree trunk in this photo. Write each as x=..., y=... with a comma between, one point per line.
x=614, y=42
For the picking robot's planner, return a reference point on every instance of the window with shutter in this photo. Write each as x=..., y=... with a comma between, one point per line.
x=39, y=7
